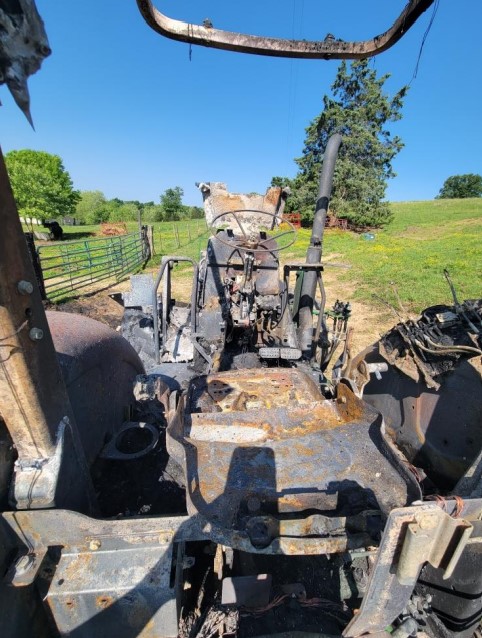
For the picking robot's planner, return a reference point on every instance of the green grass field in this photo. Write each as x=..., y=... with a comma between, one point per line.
x=423, y=239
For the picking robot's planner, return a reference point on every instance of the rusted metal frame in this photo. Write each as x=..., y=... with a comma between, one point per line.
x=33, y=399
x=321, y=323
x=166, y=261
x=32, y=532
x=327, y=49
x=317, y=268
x=441, y=539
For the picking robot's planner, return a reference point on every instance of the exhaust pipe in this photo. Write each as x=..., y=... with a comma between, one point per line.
x=315, y=249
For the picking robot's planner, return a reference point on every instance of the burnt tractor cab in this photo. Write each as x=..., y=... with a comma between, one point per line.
x=253, y=483
x=277, y=457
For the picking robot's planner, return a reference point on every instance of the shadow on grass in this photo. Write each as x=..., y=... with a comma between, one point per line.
x=80, y=234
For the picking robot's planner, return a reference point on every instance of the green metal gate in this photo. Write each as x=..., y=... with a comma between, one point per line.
x=71, y=267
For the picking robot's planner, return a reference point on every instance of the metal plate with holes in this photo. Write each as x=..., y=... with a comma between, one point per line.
x=122, y=593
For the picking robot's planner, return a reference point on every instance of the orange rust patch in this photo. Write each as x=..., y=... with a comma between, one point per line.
x=211, y=303
x=104, y=601
x=273, y=195
x=80, y=563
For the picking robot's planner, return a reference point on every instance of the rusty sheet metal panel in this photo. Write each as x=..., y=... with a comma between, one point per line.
x=438, y=430
x=115, y=594
x=146, y=542
x=217, y=199
x=265, y=442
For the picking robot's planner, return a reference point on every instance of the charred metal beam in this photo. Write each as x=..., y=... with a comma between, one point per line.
x=327, y=49
x=33, y=399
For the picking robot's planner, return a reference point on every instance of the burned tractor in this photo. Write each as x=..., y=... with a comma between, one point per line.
x=231, y=471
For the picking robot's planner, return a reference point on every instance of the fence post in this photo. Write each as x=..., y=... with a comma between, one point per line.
x=150, y=239
x=145, y=246
x=35, y=257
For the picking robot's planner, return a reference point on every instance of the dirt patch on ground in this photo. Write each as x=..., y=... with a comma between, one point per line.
x=97, y=305
x=369, y=322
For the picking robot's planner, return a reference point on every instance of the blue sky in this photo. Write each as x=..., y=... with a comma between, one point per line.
x=131, y=115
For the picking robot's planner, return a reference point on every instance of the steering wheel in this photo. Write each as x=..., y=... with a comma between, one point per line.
x=252, y=241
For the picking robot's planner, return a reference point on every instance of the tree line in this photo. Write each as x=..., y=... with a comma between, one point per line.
x=94, y=208
x=43, y=189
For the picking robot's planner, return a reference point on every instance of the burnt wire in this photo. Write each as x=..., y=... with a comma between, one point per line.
x=443, y=501
x=425, y=35
x=19, y=329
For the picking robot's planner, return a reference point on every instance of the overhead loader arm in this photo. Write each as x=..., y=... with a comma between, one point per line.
x=328, y=49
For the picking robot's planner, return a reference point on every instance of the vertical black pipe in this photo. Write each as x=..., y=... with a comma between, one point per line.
x=315, y=249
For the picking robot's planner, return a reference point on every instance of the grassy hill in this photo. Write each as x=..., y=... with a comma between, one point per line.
x=423, y=239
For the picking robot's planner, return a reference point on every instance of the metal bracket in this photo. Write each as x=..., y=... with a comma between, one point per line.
x=434, y=537
x=24, y=569
x=35, y=481
x=412, y=536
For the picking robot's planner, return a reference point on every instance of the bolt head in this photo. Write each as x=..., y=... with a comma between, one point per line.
x=36, y=334
x=95, y=544
x=25, y=287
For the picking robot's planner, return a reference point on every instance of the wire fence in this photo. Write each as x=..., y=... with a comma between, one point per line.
x=69, y=268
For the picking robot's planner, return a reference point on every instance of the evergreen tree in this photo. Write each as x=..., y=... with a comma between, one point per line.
x=359, y=110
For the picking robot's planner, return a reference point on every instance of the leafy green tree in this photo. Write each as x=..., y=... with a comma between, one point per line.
x=152, y=213
x=92, y=208
x=171, y=202
x=42, y=187
x=461, y=186
x=196, y=212
x=126, y=212
x=359, y=110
